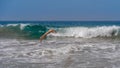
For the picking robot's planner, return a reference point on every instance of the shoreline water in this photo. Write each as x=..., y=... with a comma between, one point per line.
x=59, y=53
x=88, y=47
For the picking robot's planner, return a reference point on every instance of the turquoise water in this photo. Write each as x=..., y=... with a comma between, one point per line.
x=34, y=29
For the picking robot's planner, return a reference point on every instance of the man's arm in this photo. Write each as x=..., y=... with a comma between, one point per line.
x=44, y=35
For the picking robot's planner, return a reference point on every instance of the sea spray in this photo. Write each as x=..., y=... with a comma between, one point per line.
x=88, y=32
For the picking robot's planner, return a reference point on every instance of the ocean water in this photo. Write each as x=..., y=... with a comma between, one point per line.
x=77, y=44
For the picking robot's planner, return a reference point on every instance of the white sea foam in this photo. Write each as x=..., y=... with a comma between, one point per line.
x=88, y=32
x=60, y=52
x=12, y=24
x=22, y=26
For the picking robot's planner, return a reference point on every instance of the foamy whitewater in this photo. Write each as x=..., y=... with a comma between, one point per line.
x=75, y=45
x=86, y=32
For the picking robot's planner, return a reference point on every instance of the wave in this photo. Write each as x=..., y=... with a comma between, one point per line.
x=34, y=31
x=88, y=32
x=27, y=31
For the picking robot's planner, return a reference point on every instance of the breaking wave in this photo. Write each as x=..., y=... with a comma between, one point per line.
x=27, y=31
x=34, y=31
x=88, y=32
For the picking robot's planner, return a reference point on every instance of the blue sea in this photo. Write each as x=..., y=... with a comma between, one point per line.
x=76, y=44
x=34, y=29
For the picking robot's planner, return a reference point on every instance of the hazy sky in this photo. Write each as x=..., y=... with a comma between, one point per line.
x=59, y=10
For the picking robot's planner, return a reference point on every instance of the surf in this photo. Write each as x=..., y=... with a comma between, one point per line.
x=88, y=32
x=34, y=31
x=25, y=31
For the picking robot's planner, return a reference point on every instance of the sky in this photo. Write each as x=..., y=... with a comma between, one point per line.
x=59, y=10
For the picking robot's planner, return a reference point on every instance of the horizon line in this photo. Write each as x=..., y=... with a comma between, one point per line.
x=59, y=20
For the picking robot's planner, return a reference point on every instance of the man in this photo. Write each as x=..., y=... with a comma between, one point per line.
x=44, y=35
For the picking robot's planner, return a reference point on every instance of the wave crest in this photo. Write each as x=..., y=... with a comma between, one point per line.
x=88, y=32
x=34, y=31
x=25, y=31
